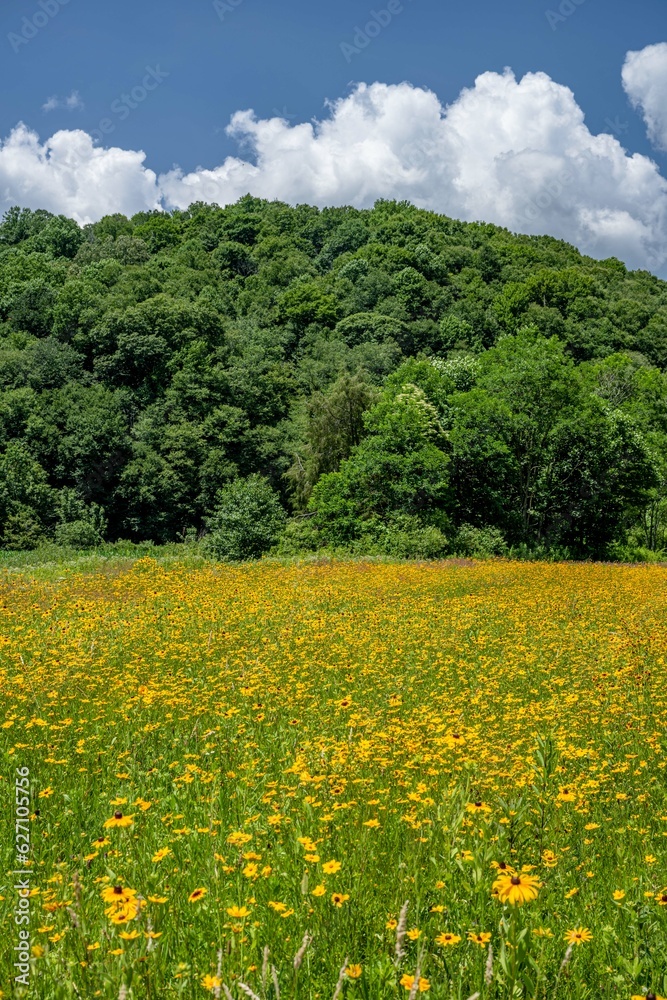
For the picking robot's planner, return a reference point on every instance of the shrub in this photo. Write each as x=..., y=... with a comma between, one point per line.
x=247, y=522
x=299, y=536
x=403, y=536
x=78, y=535
x=486, y=541
x=22, y=532
x=82, y=525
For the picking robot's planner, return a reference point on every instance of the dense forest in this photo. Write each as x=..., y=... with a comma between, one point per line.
x=273, y=378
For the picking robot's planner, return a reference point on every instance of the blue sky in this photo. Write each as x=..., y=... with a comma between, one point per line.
x=127, y=106
x=286, y=58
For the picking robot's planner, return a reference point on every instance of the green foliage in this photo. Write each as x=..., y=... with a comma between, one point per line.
x=470, y=376
x=81, y=525
x=247, y=520
x=332, y=426
x=25, y=498
x=481, y=542
x=397, y=472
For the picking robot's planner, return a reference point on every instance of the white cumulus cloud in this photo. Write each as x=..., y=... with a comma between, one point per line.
x=514, y=152
x=69, y=175
x=517, y=153
x=645, y=82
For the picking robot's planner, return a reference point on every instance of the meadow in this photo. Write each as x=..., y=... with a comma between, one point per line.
x=356, y=779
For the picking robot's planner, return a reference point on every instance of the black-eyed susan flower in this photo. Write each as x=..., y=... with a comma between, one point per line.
x=118, y=894
x=123, y=914
x=478, y=807
x=118, y=820
x=481, y=938
x=578, y=936
x=196, y=895
x=447, y=940
x=516, y=889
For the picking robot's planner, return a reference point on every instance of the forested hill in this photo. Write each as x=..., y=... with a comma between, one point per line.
x=410, y=382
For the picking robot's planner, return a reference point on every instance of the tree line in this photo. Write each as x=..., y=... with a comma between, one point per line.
x=376, y=381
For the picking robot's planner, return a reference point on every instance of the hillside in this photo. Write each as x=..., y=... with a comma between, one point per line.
x=412, y=383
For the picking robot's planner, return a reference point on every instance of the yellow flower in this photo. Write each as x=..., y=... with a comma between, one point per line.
x=570, y=893
x=129, y=935
x=157, y=899
x=353, y=971
x=516, y=889
x=338, y=898
x=118, y=820
x=161, y=854
x=37, y=951
x=239, y=839
x=45, y=793
x=447, y=940
x=407, y=982
x=566, y=795
x=319, y=890
x=619, y=894
x=123, y=914
x=578, y=936
x=413, y=934
x=331, y=867
x=118, y=894
x=211, y=983
x=93, y=947
x=196, y=895
x=372, y=823
x=482, y=938
x=238, y=912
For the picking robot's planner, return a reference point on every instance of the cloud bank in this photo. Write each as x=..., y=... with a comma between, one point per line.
x=514, y=152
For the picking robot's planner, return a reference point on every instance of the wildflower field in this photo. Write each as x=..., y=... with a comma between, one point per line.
x=349, y=779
